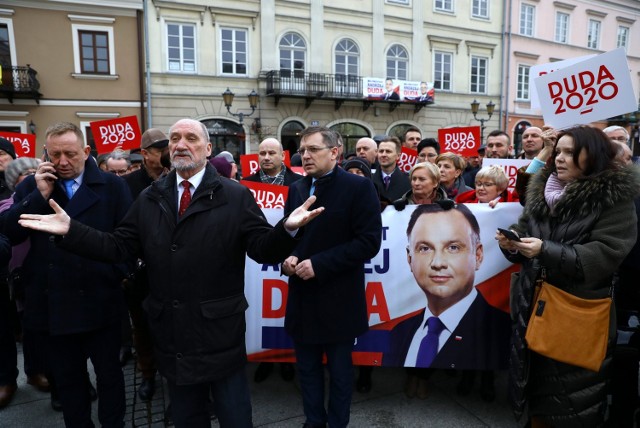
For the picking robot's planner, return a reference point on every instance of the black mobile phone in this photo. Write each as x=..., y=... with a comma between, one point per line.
x=509, y=234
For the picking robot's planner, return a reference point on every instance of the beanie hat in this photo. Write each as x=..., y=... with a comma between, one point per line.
x=18, y=167
x=7, y=147
x=223, y=167
x=359, y=163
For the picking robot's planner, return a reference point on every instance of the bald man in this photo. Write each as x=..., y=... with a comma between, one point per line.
x=367, y=148
x=272, y=168
x=531, y=142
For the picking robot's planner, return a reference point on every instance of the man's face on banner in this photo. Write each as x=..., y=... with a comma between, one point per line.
x=443, y=256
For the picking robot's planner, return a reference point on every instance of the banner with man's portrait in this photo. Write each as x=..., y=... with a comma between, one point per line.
x=449, y=267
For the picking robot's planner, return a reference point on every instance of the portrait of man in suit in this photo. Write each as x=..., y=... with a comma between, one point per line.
x=425, y=96
x=457, y=328
x=390, y=94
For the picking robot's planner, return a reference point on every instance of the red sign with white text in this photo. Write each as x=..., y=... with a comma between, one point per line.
x=250, y=164
x=267, y=195
x=24, y=144
x=464, y=141
x=121, y=133
x=408, y=158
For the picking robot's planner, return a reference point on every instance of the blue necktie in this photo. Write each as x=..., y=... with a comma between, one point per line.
x=429, y=345
x=68, y=187
x=312, y=190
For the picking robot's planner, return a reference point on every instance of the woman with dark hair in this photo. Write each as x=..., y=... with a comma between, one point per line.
x=578, y=224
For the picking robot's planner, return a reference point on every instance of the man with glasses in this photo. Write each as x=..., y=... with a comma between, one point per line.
x=118, y=163
x=617, y=134
x=326, y=307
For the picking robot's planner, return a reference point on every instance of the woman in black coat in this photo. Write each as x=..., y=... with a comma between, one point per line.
x=578, y=224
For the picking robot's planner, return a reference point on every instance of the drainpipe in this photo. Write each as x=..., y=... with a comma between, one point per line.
x=147, y=64
x=139, y=23
x=506, y=58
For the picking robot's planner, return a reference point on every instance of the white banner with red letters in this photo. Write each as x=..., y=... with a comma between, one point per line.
x=542, y=69
x=510, y=166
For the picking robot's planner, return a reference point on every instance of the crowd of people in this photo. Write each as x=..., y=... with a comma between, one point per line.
x=103, y=255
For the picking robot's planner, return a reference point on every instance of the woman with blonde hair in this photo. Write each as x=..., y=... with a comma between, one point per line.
x=451, y=167
x=425, y=186
x=491, y=188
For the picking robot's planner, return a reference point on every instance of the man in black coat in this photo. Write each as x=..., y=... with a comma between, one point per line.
x=74, y=299
x=326, y=307
x=272, y=168
x=389, y=178
x=444, y=252
x=194, y=230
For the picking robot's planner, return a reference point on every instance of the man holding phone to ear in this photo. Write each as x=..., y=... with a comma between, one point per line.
x=76, y=301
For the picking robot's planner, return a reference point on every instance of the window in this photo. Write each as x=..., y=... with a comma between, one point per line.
x=562, y=27
x=593, y=37
x=293, y=52
x=347, y=58
x=93, y=50
x=623, y=37
x=397, y=62
x=444, y=5
x=479, y=75
x=398, y=1
x=234, y=51
x=480, y=9
x=442, y=70
x=527, y=16
x=181, y=47
x=5, y=46
x=523, y=83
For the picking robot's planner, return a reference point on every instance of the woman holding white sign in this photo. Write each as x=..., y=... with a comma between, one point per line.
x=491, y=187
x=578, y=224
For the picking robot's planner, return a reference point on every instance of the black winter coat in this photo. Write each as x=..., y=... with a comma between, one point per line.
x=195, y=263
x=590, y=231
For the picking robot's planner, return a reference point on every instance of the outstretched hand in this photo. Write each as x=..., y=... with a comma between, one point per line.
x=301, y=215
x=57, y=224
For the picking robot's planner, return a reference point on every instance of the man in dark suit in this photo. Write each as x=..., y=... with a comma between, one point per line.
x=272, y=168
x=75, y=300
x=326, y=308
x=458, y=328
x=391, y=94
x=393, y=182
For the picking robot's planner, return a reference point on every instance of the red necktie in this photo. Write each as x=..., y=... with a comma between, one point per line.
x=185, y=199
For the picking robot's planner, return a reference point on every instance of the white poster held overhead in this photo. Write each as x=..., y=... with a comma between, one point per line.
x=591, y=90
x=542, y=69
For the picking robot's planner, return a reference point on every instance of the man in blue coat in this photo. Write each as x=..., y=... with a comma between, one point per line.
x=75, y=300
x=326, y=308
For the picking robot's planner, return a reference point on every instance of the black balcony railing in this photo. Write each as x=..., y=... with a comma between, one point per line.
x=20, y=82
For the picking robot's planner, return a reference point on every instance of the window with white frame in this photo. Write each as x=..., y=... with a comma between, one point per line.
x=522, y=92
x=480, y=9
x=93, y=50
x=442, y=70
x=293, y=52
x=181, y=47
x=397, y=62
x=398, y=1
x=562, y=27
x=444, y=5
x=623, y=37
x=527, y=19
x=347, y=58
x=479, y=74
x=234, y=50
x=593, y=36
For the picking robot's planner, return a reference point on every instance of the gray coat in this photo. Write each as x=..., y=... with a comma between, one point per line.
x=585, y=239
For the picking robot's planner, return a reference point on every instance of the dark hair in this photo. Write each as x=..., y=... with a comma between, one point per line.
x=600, y=151
x=429, y=142
x=443, y=206
x=410, y=129
x=498, y=133
x=329, y=137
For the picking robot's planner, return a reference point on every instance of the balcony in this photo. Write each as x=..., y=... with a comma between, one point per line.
x=319, y=86
x=20, y=82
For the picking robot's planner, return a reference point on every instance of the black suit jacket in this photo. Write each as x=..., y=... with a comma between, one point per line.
x=480, y=341
x=393, y=96
x=398, y=185
x=289, y=177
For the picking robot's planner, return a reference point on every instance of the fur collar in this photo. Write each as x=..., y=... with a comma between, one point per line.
x=585, y=196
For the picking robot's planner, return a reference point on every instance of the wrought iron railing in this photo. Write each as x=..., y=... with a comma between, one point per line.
x=20, y=82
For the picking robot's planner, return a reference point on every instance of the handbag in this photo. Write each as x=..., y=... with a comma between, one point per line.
x=567, y=328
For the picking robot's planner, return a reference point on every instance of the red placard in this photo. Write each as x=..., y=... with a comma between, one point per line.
x=250, y=164
x=267, y=195
x=121, y=133
x=463, y=141
x=24, y=144
x=408, y=158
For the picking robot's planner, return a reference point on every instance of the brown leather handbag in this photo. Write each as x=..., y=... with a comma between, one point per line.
x=567, y=328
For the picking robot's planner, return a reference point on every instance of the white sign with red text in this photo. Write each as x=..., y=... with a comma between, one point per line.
x=510, y=167
x=542, y=69
x=591, y=90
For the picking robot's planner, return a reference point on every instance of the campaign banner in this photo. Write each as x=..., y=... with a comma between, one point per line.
x=250, y=163
x=477, y=324
x=591, y=90
x=267, y=195
x=542, y=69
x=375, y=88
x=24, y=144
x=121, y=133
x=464, y=141
x=408, y=158
x=510, y=166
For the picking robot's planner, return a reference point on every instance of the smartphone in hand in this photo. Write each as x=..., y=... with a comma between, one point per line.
x=509, y=234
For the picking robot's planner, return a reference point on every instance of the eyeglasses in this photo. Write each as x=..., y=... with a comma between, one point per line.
x=312, y=150
x=620, y=139
x=485, y=185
